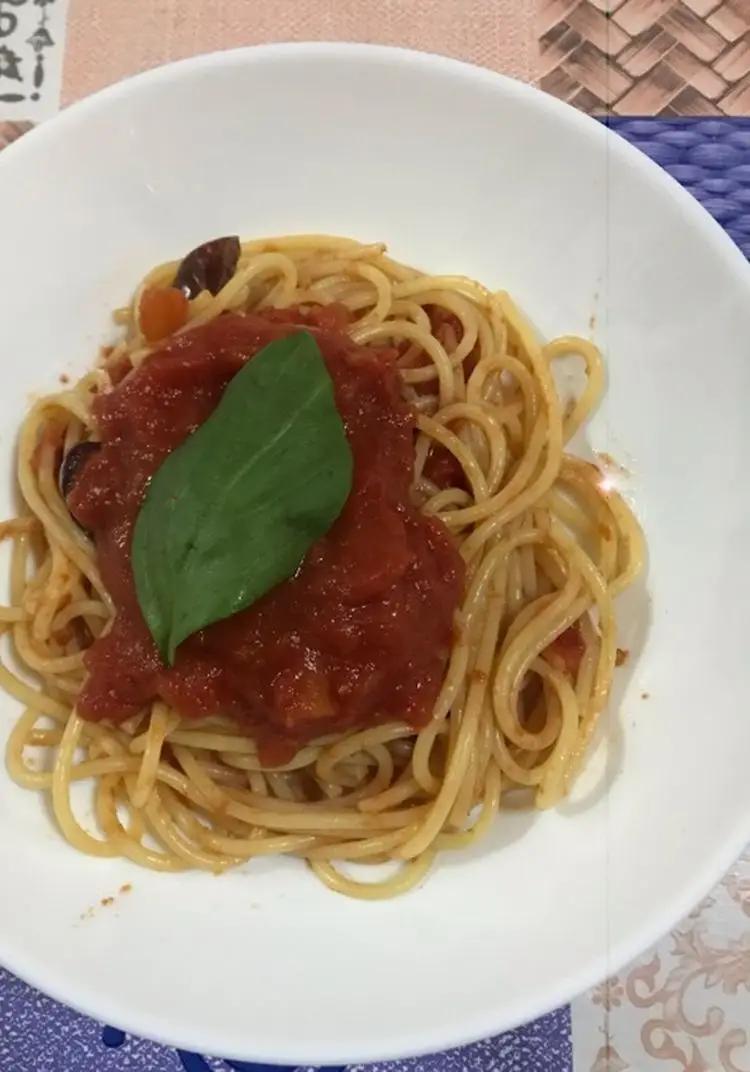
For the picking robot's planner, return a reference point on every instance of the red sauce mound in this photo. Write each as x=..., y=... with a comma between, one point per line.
x=361, y=632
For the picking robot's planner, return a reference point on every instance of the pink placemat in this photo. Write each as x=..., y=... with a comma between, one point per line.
x=109, y=40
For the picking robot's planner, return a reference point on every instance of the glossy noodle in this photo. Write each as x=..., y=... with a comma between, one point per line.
x=547, y=548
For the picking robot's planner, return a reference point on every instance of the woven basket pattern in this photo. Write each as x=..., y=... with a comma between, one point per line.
x=710, y=157
x=647, y=57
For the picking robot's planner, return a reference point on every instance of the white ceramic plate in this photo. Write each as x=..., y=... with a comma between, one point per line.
x=461, y=171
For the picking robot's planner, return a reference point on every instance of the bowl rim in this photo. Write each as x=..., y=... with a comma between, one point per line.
x=488, y=1021
x=164, y=72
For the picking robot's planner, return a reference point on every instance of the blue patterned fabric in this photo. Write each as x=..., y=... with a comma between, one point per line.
x=711, y=157
x=39, y=1035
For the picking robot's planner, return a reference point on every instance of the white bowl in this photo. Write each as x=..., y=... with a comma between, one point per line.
x=460, y=170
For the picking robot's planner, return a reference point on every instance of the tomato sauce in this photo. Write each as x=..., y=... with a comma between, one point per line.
x=568, y=649
x=444, y=469
x=358, y=635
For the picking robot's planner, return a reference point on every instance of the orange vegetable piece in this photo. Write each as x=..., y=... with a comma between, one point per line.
x=163, y=310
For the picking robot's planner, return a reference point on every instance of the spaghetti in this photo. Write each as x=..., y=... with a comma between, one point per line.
x=546, y=548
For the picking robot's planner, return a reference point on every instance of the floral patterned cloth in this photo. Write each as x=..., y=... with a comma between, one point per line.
x=682, y=1007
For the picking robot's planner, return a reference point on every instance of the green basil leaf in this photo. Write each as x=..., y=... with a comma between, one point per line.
x=232, y=511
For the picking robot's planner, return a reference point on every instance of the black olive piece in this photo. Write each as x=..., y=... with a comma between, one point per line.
x=73, y=462
x=208, y=267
